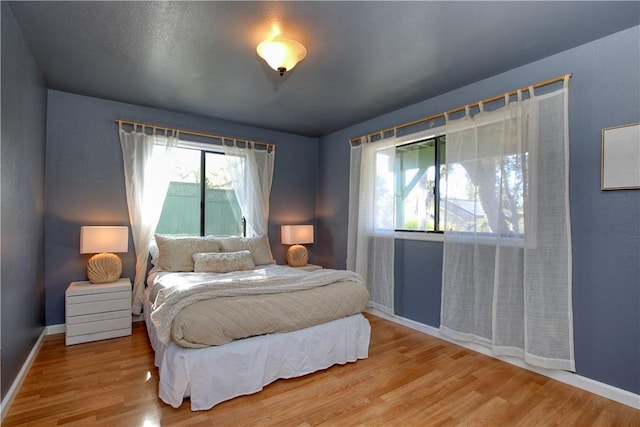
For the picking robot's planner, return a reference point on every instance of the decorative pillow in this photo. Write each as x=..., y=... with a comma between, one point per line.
x=176, y=252
x=222, y=262
x=258, y=246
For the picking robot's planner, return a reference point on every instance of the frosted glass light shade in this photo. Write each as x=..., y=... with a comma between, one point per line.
x=281, y=54
x=97, y=239
x=296, y=234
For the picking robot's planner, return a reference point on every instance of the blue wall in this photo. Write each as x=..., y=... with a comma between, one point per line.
x=604, y=92
x=85, y=181
x=23, y=158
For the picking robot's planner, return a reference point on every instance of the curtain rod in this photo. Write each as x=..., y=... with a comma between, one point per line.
x=190, y=132
x=455, y=110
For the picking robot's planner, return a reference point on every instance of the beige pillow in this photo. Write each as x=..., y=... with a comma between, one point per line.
x=258, y=246
x=223, y=262
x=176, y=252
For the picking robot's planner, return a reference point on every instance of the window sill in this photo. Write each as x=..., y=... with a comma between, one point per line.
x=425, y=237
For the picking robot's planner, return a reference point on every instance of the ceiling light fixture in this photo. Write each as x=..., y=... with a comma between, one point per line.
x=281, y=54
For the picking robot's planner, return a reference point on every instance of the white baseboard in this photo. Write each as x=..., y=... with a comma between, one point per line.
x=13, y=390
x=605, y=390
x=56, y=329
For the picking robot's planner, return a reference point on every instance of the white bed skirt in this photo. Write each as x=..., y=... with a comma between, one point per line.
x=214, y=374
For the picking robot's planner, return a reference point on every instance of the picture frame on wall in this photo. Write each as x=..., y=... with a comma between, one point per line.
x=621, y=157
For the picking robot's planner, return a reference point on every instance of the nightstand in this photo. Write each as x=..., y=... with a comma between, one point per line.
x=97, y=311
x=309, y=267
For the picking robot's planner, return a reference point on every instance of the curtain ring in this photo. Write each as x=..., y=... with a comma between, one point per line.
x=481, y=106
x=566, y=80
x=531, y=92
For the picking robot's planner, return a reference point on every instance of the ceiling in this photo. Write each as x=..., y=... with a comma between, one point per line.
x=363, y=58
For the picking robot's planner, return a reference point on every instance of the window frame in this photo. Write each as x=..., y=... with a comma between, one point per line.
x=204, y=148
x=519, y=240
x=413, y=138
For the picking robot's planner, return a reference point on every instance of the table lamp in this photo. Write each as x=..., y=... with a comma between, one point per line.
x=296, y=235
x=104, y=266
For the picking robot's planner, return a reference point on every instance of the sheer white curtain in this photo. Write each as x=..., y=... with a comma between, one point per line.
x=507, y=250
x=370, y=239
x=251, y=175
x=146, y=158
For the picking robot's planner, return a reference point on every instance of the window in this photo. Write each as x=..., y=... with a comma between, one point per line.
x=418, y=167
x=488, y=178
x=422, y=190
x=200, y=199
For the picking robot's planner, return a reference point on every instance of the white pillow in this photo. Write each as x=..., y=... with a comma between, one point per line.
x=223, y=262
x=176, y=252
x=258, y=246
x=153, y=251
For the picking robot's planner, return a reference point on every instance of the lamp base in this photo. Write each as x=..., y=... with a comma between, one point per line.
x=297, y=256
x=104, y=268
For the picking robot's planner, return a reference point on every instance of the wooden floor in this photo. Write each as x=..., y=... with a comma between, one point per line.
x=409, y=379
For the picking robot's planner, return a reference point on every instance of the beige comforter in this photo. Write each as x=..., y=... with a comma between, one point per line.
x=199, y=310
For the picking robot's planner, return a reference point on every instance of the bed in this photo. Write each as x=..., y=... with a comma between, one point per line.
x=225, y=321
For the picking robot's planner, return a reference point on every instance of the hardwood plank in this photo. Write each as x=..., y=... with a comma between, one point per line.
x=409, y=379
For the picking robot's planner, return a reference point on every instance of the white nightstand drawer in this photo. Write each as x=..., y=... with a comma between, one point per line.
x=88, y=288
x=98, y=306
x=120, y=314
x=101, y=326
x=77, y=299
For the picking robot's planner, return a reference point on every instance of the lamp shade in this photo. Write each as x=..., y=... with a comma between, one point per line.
x=296, y=234
x=97, y=239
x=281, y=54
